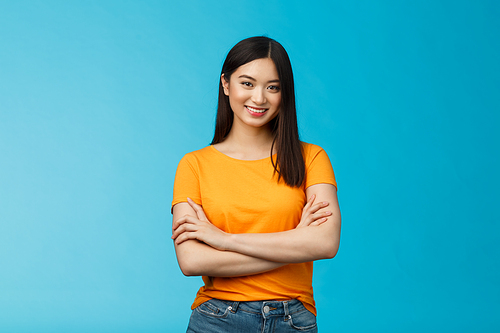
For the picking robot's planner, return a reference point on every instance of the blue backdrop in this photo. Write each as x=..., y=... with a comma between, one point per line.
x=99, y=100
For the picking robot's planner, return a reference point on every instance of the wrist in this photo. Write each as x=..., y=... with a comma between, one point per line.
x=229, y=241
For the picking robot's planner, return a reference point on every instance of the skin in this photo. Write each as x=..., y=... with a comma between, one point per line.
x=202, y=248
x=254, y=84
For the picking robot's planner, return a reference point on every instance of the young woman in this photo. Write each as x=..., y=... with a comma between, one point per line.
x=252, y=211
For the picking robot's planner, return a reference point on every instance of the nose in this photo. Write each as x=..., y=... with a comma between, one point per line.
x=258, y=96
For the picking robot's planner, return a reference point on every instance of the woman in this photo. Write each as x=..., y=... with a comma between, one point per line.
x=253, y=210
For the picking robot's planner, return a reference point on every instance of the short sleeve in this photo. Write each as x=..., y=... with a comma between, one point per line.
x=186, y=183
x=318, y=167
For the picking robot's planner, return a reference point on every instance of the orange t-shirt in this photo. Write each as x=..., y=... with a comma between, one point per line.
x=241, y=196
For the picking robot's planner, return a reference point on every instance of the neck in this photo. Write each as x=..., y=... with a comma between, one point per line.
x=247, y=142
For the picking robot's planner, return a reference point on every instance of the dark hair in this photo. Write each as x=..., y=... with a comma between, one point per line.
x=289, y=162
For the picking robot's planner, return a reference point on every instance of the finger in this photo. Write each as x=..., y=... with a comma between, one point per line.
x=318, y=206
x=198, y=209
x=319, y=222
x=182, y=220
x=308, y=204
x=314, y=208
x=320, y=215
x=184, y=237
x=184, y=228
x=312, y=218
x=179, y=222
x=308, y=220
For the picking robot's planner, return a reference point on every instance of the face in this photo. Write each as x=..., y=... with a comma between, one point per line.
x=254, y=93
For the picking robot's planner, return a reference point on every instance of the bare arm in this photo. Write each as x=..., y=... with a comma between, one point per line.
x=300, y=244
x=197, y=258
x=319, y=240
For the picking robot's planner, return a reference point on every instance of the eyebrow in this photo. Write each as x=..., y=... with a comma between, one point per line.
x=251, y=78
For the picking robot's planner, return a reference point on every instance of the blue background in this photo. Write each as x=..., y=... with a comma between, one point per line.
x=99, y=100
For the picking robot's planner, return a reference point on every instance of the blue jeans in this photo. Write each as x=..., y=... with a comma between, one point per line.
x=218, y=316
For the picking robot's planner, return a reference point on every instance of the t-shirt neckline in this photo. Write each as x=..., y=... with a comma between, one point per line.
x=239, y=160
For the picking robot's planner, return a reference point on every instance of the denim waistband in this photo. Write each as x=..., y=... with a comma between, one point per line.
x=266, y=308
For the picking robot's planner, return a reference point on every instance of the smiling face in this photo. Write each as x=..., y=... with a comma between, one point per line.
x=254, y=93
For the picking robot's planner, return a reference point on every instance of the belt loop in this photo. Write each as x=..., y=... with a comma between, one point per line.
x=285, y=307
x=234, y=307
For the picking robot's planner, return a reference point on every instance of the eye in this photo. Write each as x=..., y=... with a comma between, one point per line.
x=246, y=83
x=275, y=88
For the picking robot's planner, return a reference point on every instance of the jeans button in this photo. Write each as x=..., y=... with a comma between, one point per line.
x=266, y=309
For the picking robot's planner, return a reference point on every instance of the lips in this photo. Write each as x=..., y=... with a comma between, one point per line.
x=258, y=112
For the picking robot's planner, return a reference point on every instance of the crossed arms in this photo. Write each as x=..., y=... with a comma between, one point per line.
x=203, y=249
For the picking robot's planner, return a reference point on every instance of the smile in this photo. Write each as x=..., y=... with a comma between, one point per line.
x=256, y=111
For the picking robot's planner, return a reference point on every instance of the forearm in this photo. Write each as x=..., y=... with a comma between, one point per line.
x=300, y=244
x=293, y=246
x=196, y=258
x=223, y=254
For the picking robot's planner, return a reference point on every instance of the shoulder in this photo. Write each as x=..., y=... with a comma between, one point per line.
x=199, y=154
x=309, y=147
x=196, y=158
x=310, y=151
x=318, y=166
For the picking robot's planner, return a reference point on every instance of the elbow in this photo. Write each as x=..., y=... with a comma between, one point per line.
x=330, y=244
x=191, y=258
x=330, y=251
x=186, y=270
x=189, y=267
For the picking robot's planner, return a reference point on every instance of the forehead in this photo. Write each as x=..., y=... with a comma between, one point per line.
x=260, y=69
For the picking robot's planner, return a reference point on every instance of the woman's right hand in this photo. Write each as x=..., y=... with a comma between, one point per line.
x=311, y=216
x=198, y=227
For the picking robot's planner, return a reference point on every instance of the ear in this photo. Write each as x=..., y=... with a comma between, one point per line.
x=225, y=85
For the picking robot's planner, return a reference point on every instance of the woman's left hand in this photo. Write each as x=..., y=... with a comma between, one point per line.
x=200, y=228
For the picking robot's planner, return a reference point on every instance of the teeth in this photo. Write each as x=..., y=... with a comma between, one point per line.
x=256, y=110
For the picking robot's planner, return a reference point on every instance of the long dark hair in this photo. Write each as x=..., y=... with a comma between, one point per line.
x=289, y=162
